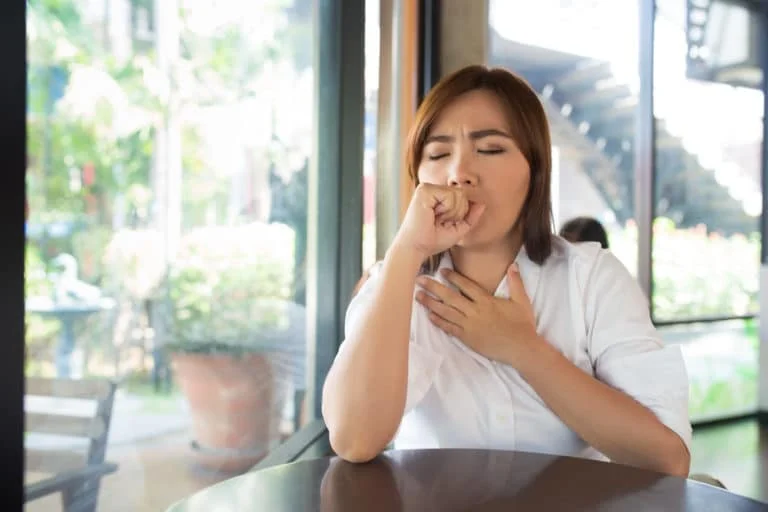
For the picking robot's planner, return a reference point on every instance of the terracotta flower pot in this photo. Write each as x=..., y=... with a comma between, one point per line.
x=235, y=407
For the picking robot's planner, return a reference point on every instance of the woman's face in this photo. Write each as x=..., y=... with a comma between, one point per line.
x=470, y=147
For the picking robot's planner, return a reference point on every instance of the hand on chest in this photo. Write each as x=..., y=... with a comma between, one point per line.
x=494, y=326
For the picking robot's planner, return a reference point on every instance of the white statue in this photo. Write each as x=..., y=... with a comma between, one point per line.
x=66, y=286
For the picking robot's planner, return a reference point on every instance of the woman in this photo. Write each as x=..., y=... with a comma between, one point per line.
x=585, y=229
x=480, y=328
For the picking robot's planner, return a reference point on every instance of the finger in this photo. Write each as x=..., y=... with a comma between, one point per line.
x=445, y=325
x=445, y=311
x=455, y=206
x=462, y=206
x=475, y=212
x=467, y=286
x=444, y=202
x=444, y=294
x=465, y=226
x=515, y=284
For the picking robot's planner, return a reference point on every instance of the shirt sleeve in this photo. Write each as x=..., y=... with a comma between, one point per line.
x=626, y=350
x=422, y=361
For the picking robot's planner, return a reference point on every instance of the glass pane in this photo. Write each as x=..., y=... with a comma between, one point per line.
x=589, y=89
x=722, y=363
x=372, y=41
x=169, y=147
x=709, y=135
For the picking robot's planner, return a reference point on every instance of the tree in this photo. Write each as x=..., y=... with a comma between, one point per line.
x=93, y=116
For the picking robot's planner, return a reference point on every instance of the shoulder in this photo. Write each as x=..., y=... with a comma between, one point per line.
x=581, y=259
x=610, y=297
x=362, y=292
x=615, y=309
x=581, y=254
x=369, y=273
x=593, y=266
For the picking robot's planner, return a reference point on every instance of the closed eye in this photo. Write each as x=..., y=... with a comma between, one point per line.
x=490, y=151
x=438, y=156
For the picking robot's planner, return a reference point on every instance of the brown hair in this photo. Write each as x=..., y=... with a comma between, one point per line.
x=529, y=128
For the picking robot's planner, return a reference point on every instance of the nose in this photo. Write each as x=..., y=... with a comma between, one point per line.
x=461, y=175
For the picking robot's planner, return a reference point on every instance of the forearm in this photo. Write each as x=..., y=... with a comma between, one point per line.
x=364, y=394
x=605, y=418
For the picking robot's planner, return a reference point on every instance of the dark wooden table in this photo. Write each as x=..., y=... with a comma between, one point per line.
x=461, y=480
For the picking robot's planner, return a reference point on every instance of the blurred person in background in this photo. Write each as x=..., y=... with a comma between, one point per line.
x=585, y=229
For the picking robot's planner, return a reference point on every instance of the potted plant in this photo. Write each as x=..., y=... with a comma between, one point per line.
x=229, y=316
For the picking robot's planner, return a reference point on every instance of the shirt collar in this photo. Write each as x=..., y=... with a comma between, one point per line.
x=529, y=271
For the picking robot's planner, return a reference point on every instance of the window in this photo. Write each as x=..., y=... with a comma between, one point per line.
x=173, y=148
x=707, y=199
x=722, y=360
x=589, y=90
x=707, y=202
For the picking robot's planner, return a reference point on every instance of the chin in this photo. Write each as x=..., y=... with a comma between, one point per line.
x=477, y=241
x=485, y=239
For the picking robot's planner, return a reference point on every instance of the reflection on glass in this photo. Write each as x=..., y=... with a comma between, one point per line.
x=706, y=252
x=743, y=472
x=589, y=89
x=722, y=363
x=169, y=145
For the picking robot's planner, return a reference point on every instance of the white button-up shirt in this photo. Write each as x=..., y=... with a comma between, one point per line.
x=586, y=305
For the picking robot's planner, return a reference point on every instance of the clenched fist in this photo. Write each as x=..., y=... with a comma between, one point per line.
x=438, y=217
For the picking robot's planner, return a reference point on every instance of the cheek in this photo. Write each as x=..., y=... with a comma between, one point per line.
x=523, y=184
x=520, y=179
x=429, y=174
x=510, y=184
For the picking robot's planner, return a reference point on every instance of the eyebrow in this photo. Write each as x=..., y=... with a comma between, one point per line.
x=476, y=135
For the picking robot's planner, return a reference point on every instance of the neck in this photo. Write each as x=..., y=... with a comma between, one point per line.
x=487, y=265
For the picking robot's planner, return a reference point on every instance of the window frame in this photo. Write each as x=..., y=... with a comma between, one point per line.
x=645, y=182
x=312, y=441
x=645, y=166
x=336, y=203
x=335, y=213
x=13, y=98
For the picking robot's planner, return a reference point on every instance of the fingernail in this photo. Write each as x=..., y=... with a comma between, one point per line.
x=514, y=268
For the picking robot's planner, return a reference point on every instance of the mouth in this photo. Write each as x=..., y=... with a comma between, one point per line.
x=473, y=202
